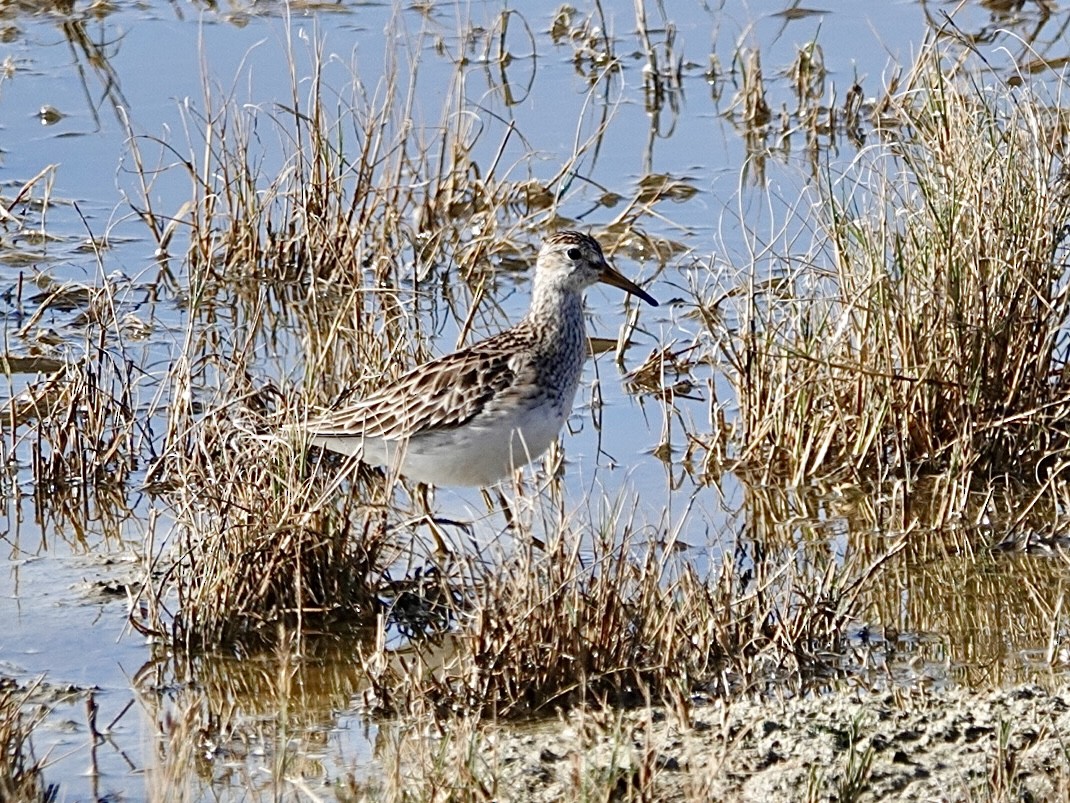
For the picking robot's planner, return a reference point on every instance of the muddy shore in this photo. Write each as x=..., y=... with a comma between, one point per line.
x=913, y=746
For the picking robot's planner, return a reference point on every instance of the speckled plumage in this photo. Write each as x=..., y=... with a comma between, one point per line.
x=471, y=417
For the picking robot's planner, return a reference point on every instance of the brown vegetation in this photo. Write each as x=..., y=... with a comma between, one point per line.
x=21, y=779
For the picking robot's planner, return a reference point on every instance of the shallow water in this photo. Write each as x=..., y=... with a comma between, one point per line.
x=79, y=80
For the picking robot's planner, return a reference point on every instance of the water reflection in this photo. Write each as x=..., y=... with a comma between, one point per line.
x=939, y=604
x=263, y=722
x=92, y=46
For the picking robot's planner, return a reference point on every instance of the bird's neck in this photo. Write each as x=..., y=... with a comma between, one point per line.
x=559, y=340
x=554, y=309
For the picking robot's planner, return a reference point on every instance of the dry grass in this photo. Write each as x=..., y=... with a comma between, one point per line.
x=609, y=758
x=618, y=615
x=73, y=357
x=321, y=247
x=328, y=254
x=21, y=777
x=608, y=612
x=930, y=341
x=926, y=331
x=316, y=262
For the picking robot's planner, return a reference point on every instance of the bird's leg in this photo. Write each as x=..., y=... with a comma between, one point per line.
x=499, y=502
x=507, y=510
x=513, y=523
x=423, y=496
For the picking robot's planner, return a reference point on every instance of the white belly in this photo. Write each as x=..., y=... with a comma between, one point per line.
x=478, y=454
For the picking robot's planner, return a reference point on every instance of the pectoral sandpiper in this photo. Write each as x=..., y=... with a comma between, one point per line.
x=471, y=417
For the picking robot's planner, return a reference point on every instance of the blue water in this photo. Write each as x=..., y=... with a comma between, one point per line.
x=133, y=69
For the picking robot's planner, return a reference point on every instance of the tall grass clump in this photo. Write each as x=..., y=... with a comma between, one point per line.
x=316, y=235
x=617, y=614
x=927, y=328
x=75, y=343
x=288, y=253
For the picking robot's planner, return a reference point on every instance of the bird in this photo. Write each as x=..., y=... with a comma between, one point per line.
x=474, y=416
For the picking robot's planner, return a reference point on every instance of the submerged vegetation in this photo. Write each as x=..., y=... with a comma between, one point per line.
x=887, y=386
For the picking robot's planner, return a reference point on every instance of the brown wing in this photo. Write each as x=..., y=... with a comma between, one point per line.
x=442, y=394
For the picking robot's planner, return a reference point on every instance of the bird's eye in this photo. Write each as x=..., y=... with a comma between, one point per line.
x=573, y=253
